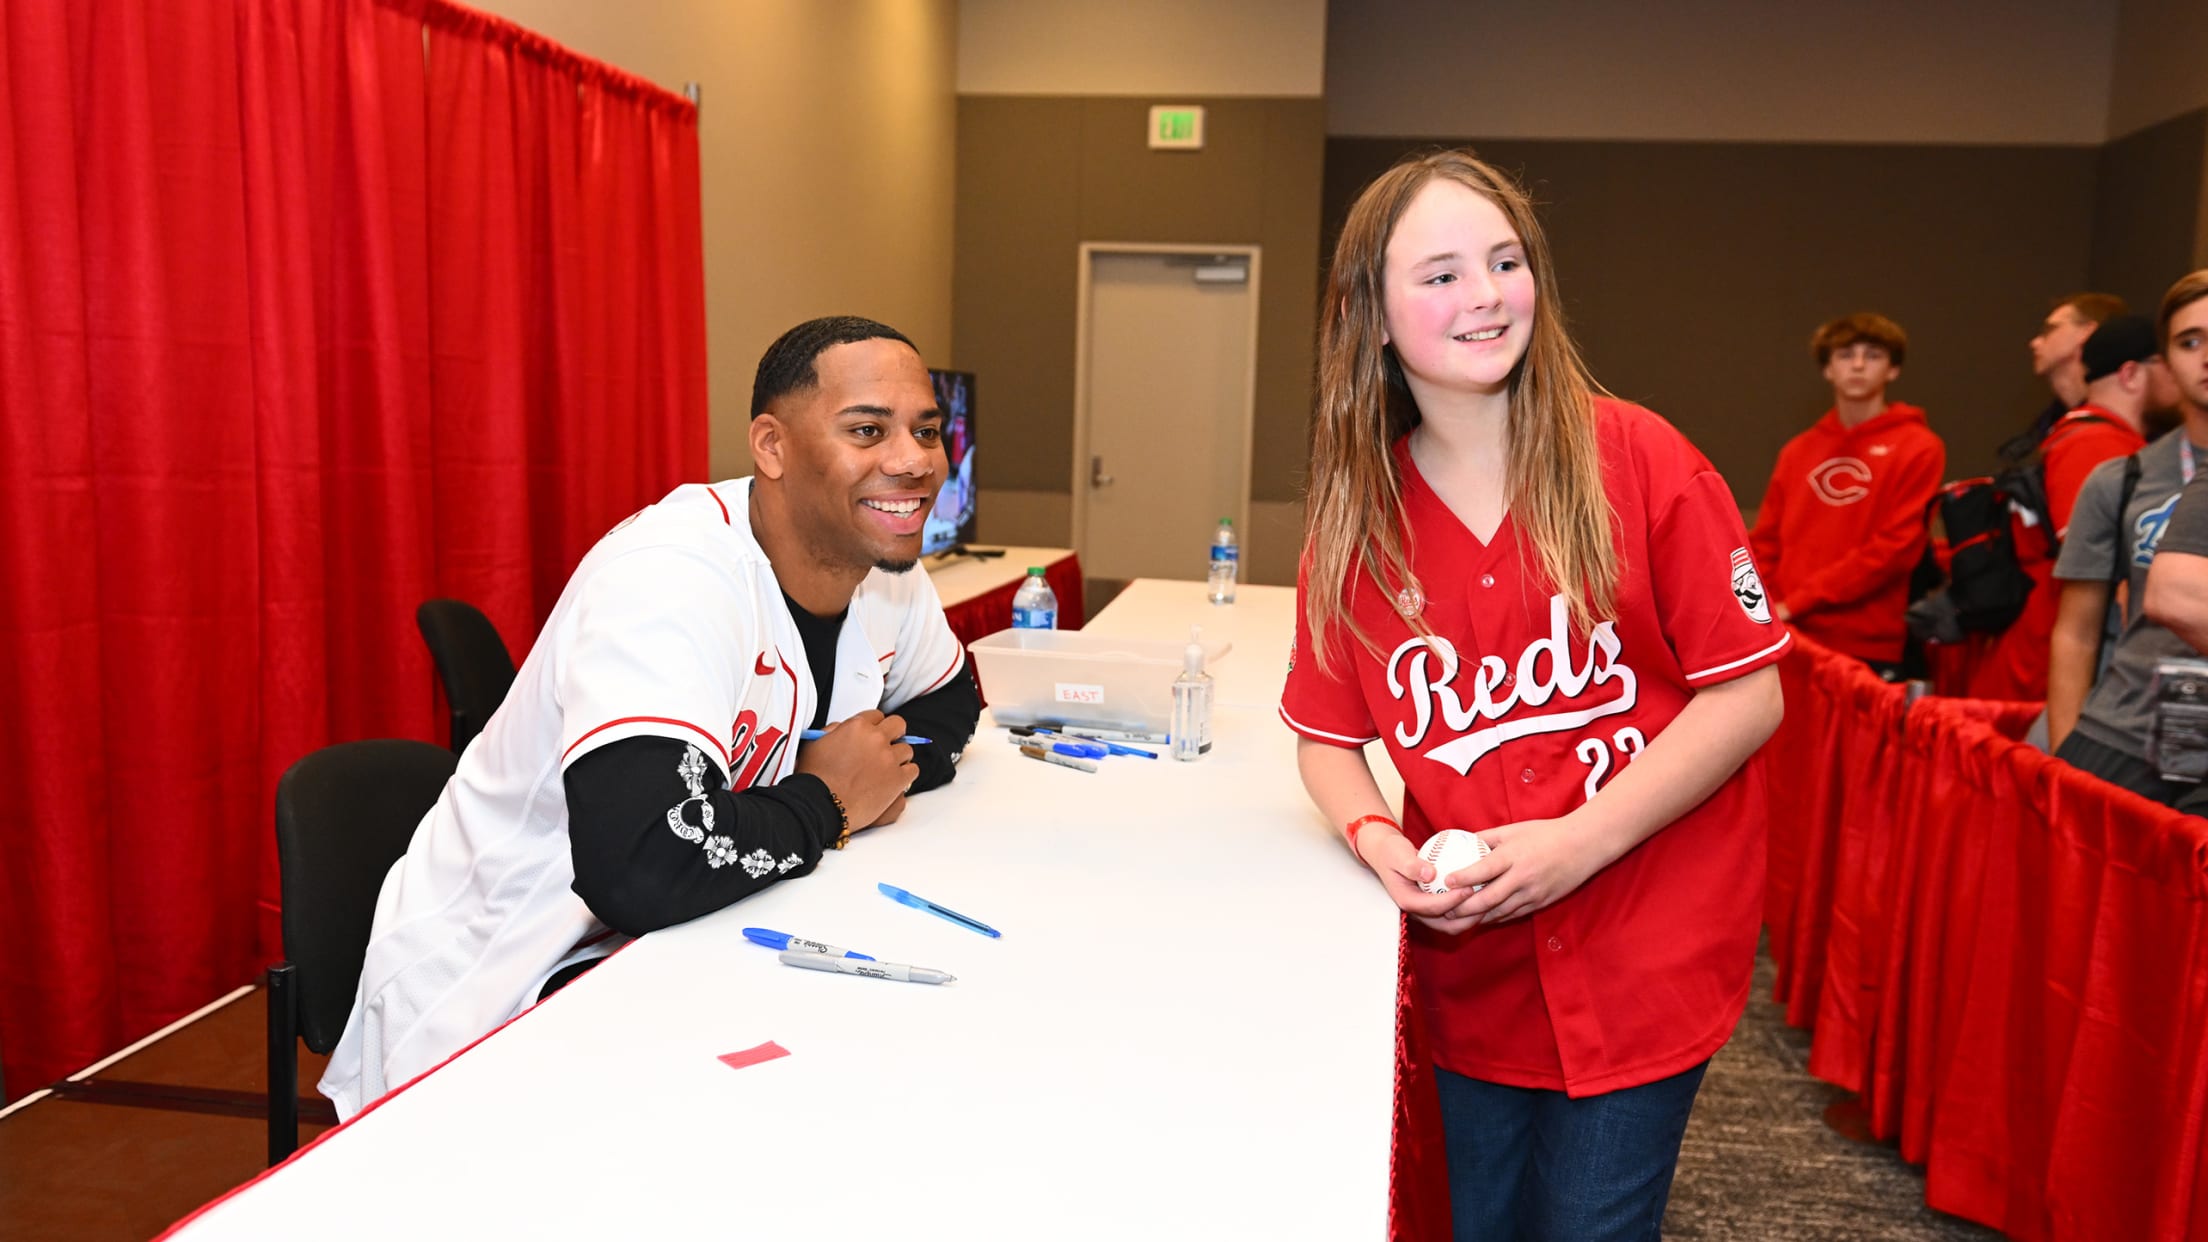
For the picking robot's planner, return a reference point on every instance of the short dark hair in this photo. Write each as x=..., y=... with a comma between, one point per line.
x=787, y=366
x=1860, y=328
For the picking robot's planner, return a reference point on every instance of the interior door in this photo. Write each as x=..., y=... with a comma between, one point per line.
x=1164, y=436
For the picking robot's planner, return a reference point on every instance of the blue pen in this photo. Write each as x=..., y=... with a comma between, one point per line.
x=918, y=902
x=784, y=940
x=814, y=735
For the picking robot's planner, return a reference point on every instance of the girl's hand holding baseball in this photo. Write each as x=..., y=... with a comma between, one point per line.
x=1533, y=864
x=1395, y=860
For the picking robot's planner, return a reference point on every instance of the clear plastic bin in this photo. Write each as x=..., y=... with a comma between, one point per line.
x=1083, y=679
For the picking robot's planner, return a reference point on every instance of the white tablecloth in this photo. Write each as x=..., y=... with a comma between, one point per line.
x=1186, y=1031
x=1260, y=623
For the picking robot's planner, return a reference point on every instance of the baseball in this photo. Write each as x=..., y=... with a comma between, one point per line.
x=1451, y=850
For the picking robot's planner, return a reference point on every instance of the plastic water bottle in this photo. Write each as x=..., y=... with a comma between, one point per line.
x=1225, y=558
x=1035, y=605
x=1191, y=731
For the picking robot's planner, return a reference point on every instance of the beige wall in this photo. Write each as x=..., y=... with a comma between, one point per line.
x=2158, y=68
x=1053, y=99
x=827, y=141
x=1039, y=175
x=1901, y=71
x=1141, y=47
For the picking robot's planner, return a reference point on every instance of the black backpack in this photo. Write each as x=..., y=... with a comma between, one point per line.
x=1986, y=582
x=1986, y=585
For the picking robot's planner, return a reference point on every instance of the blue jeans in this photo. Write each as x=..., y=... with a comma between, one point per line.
x=1540, y=1165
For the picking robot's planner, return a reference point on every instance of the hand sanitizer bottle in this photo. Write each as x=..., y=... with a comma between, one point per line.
x=1191, y=732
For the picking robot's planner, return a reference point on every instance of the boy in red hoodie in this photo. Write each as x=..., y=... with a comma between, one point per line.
x=1843, y=520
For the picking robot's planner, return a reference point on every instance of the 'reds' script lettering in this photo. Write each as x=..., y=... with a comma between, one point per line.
x=1413, y=679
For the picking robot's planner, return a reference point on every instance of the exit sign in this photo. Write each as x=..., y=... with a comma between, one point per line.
x=1176, y=128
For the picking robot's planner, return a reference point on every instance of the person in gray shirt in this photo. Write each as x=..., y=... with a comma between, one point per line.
x=2177, y=583
x=2113, y=539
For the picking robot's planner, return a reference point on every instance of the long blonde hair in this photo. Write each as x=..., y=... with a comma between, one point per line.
x=1355, y=511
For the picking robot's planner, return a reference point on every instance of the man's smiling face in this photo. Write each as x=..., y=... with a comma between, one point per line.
x=862, y=455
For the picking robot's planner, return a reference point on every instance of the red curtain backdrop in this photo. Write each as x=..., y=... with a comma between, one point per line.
x=306, y=316
x=2006, y=958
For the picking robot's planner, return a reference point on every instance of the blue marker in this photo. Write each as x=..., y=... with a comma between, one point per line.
x=1103, y=735
x=1106, y=748
x=784, y=940
x=1079, y=750
x=1117, y=749
x=814, y=735
x=918, y=902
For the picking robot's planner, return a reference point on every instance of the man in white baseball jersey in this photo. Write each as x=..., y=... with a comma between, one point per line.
x=645, y=768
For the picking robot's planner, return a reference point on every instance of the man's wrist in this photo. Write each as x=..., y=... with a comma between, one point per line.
x=830, y=821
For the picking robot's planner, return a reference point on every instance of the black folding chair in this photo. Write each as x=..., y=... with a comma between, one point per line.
x=344, y=814
x=472, y=662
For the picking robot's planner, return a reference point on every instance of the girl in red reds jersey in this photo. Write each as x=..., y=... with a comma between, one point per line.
x=1540, y=600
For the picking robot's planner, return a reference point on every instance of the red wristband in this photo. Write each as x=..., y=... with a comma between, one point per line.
x=1356, y=825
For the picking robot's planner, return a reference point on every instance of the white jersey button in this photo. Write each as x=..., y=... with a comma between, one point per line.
x=1487, y=580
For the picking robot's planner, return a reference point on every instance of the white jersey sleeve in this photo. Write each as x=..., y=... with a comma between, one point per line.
x=664, y=645
x=927, y=654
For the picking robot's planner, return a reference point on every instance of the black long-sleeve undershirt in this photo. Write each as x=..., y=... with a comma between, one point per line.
x=637, y=873
x=946, y=715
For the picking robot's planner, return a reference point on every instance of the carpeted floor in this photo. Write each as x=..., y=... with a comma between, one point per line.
x=1760, y=1163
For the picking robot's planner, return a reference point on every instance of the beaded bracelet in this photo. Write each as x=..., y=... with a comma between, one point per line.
x=1356, y=825
x=843, y=834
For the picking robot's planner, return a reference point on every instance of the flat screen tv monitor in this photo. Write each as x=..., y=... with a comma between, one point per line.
x=951, y=522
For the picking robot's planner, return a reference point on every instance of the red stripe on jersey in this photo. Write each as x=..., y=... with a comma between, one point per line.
x=724, y=506
x=885, y=659
x=1730, y=665
x=1321, y=735
x=958, y=662
x=712, y=741
x=784, y=661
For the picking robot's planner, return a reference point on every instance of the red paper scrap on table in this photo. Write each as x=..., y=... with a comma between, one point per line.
x=753, y=1056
